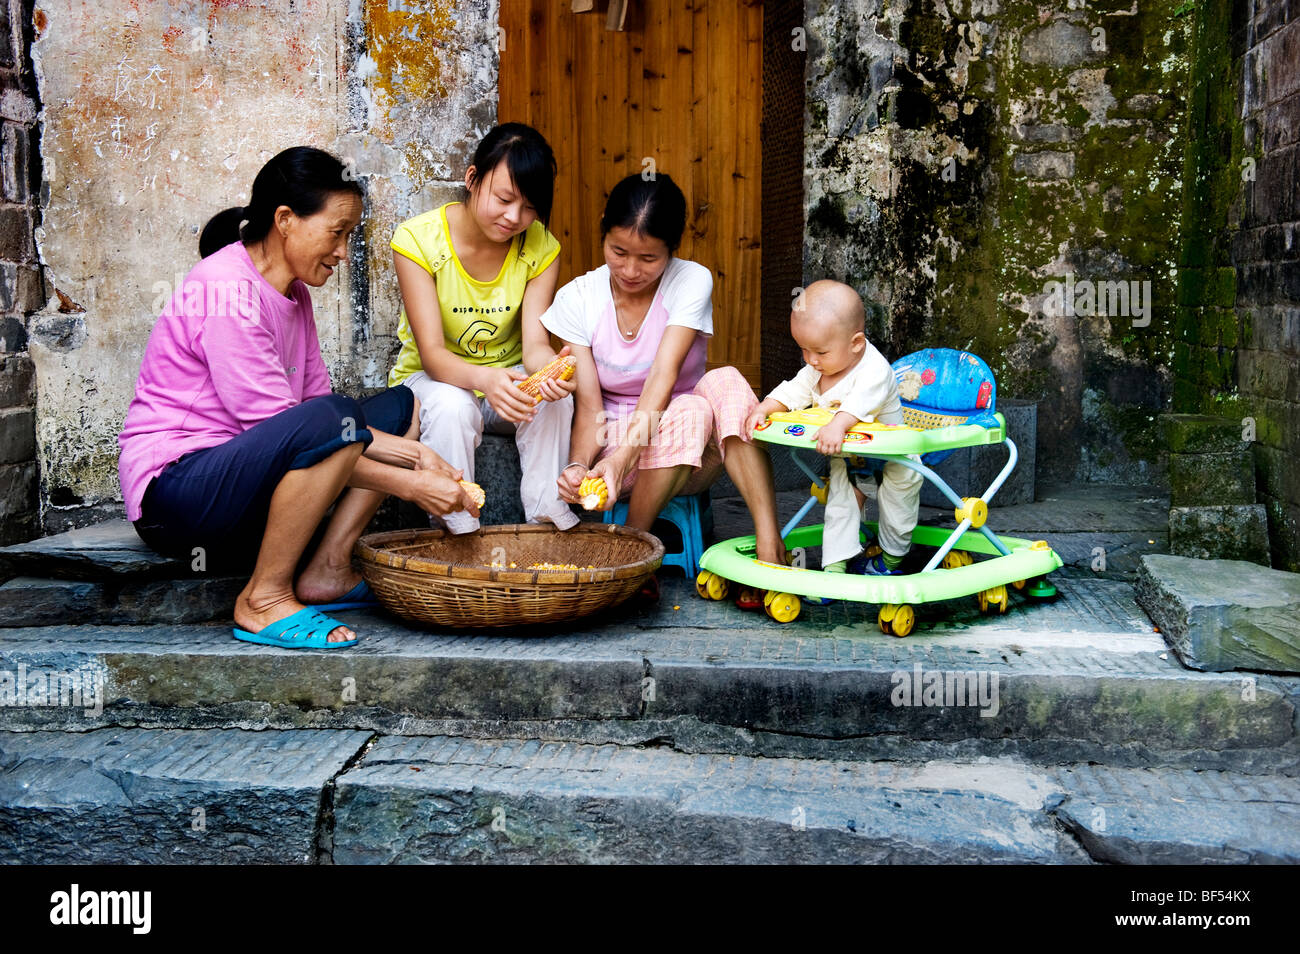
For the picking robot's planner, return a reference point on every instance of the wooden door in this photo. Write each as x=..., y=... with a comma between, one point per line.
x=681, y=85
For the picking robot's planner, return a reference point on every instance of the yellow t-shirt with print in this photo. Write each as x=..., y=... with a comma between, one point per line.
x=480, y=320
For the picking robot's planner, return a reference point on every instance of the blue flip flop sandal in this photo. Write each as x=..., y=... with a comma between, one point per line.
x=306, y=629
x=359, y=597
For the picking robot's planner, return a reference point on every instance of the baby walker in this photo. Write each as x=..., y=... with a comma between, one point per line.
x=948, y=402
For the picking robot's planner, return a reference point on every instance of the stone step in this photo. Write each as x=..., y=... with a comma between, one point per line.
x=159, y=797
x=1081, y=679
x=231, y=796
x=453, y=799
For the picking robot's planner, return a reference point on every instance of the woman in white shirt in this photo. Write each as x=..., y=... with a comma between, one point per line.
x=649, y=420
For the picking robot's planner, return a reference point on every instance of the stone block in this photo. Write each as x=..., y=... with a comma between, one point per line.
x=26, y=601
x=186, y=600
x=104, y=551
x=1059, y=44
x=1048, y=164
x=17, y=381
x=1219, y=615
x=436, y=800
x=17, y=434
x=1201, y=433
x=970, y=470
x=1206, y=480
x=18, y=495
x=497, y=471
x=1230, y=532
x=13, y=163
x=6, y=38
x=22, y=288
x=151, y=797
x=15, y=234
x=13, y=335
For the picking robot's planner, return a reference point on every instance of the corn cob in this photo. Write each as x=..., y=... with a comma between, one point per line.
x=593, y=493
x=561, y=369
x=475, y=493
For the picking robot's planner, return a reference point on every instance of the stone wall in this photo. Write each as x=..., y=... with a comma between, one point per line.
x=22, y=286
x=1266, y=253
x=962, y=155
x=158, y=115
x=1238, y=326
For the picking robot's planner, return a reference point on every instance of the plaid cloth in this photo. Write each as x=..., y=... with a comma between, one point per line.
x=692, y=428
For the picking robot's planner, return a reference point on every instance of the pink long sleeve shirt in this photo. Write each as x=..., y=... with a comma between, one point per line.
x=228, y=352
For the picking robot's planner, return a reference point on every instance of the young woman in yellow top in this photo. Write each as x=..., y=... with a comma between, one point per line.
x=475, y=278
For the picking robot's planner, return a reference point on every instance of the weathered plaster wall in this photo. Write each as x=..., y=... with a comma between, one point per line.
x=961, y=155
x=157, y=115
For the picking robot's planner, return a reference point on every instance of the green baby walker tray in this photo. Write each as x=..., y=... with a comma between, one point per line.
x=948, y=402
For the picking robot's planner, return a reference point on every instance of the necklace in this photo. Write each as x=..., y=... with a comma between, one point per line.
x=618, y=321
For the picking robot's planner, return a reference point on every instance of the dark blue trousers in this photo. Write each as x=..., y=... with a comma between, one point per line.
x=218, y=498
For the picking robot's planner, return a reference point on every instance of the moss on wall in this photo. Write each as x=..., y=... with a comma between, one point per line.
x=1015, y=143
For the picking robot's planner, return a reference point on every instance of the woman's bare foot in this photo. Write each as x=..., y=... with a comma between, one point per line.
x=256, y=611
x=772, y=551
x=324, y=584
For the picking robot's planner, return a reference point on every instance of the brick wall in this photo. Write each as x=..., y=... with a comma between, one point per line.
x=22, y=287
x=1266, y=253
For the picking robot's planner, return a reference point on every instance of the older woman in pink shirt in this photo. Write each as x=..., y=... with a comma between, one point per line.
x=234, y=446
x=648, y=419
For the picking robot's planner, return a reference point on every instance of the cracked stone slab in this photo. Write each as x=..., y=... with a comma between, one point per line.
x=1219, y=615
x=165, y=796
x=463, y=800
x=1074, y=678
x=1179, y=817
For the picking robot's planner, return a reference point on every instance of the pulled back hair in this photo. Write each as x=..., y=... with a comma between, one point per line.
x=303, y=178
x=529, y=159
x=653, y=207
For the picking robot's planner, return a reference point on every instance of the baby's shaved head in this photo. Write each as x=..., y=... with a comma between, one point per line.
x=831, y=303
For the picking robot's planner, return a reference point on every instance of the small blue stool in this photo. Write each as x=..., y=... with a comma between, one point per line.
x=691, y=520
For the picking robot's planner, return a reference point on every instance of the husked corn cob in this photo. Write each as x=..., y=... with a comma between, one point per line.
x=475, y=493
x=561, y=369
x=593, y=493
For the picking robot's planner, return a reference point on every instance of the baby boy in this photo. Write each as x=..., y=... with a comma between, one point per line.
x=845, y=373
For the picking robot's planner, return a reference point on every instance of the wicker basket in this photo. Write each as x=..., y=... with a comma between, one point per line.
x=431, y=576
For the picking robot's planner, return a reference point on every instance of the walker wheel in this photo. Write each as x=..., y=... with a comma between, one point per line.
x=956, y=559
x=782, y=607
x=896, y=619
x=994, y=597
x=1019, y=584
x=749, y=598
x=711, y=586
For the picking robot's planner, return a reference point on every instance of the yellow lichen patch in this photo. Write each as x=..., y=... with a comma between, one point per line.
x=405, y=45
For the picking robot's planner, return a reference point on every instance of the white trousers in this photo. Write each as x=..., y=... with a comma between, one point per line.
x=452, y=422
x=899, y=499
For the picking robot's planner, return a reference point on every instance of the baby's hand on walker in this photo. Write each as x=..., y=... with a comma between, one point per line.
x=507, y=400
x=756, y=417
x=830, y=438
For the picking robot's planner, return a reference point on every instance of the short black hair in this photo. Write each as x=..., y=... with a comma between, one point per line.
x=529, y=159
x=302, y=177
x=653, y=207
